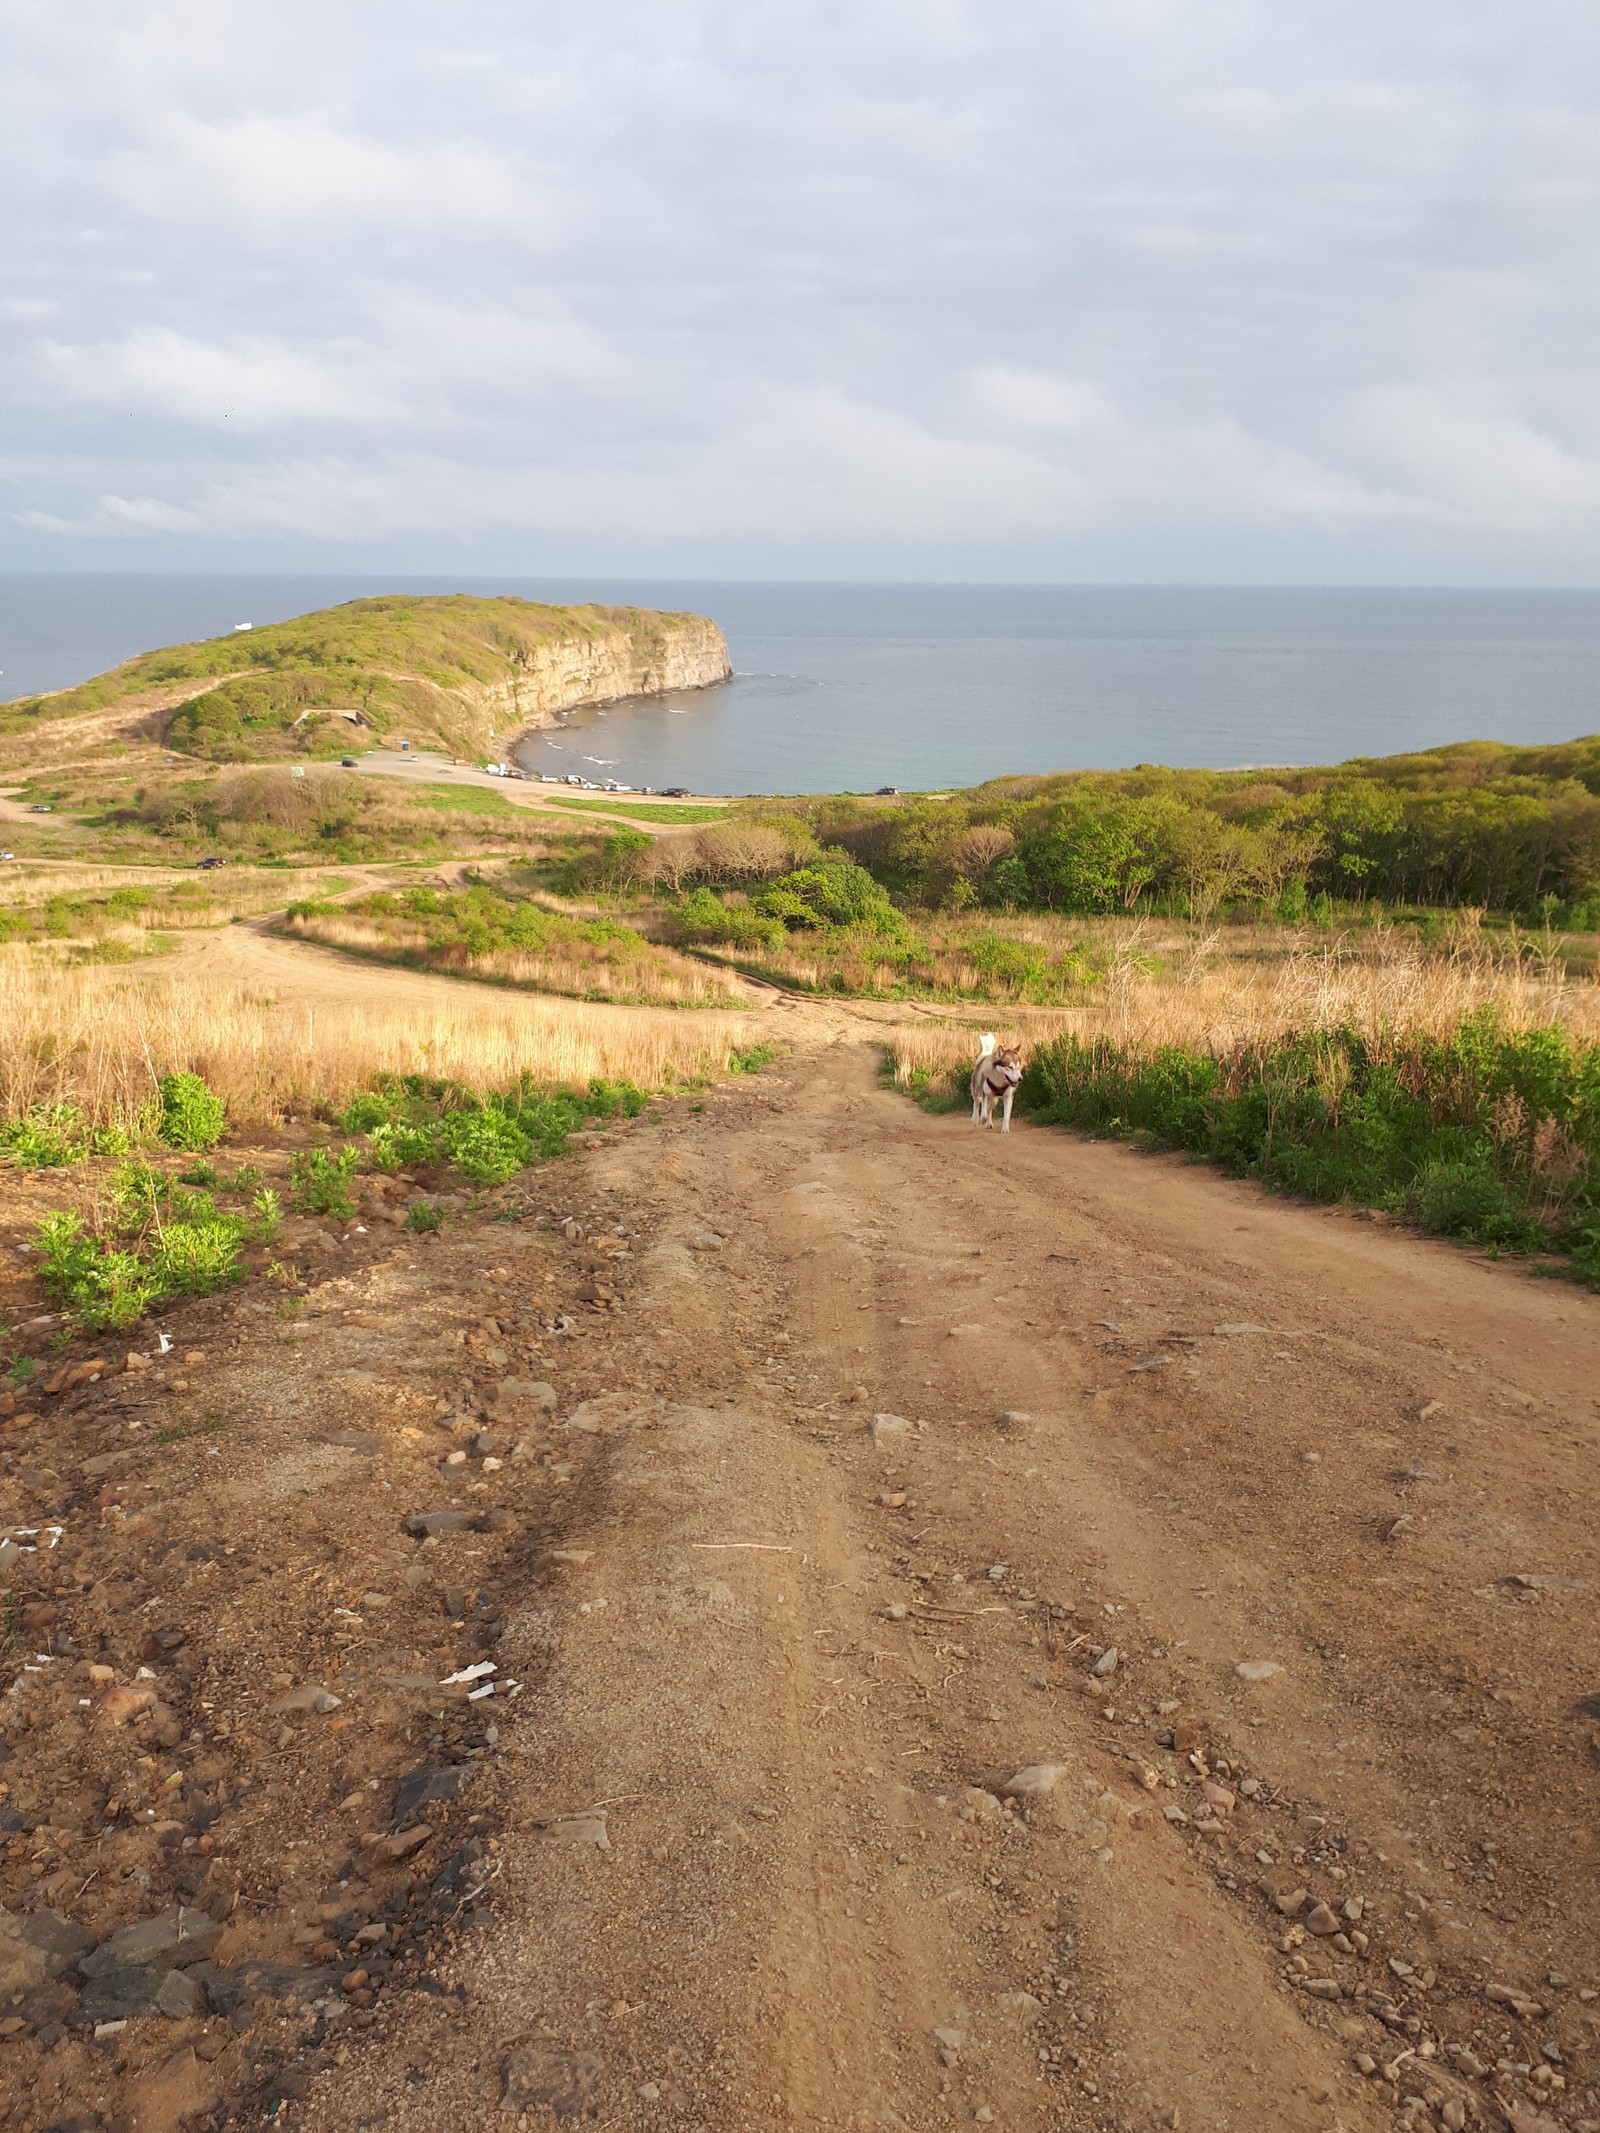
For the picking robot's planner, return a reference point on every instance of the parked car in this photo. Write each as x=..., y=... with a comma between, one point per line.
x=347, y=762
x=38, y=807
x=887, y=792
x=7, y=855
x=674, y=792
x=204, y=866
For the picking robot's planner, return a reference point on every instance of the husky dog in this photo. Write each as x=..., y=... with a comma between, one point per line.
x=994, y=1081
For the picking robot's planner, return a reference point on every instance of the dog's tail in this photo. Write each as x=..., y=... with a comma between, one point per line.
x=986, y=1044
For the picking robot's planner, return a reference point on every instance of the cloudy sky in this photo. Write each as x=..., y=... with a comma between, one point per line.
x=1098, y=289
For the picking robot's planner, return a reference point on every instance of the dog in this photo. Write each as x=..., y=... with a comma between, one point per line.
x=994, y=1081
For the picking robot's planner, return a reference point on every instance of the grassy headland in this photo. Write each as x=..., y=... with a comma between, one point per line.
x=444, y=671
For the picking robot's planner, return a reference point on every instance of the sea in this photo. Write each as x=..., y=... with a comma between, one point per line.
x=922, y=687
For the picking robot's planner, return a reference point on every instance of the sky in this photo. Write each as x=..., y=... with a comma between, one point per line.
x=1143, y=290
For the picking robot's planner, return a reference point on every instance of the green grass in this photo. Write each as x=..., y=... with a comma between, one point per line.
x=400, y=661
x=460, y=799
x=752, y=1058
x=640, y=810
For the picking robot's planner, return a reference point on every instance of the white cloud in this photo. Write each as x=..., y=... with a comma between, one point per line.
x=821, y=272
x=251, y=383
x=292, y=171
x=1483, y=464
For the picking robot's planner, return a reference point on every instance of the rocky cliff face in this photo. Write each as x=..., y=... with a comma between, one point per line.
x=621, y=652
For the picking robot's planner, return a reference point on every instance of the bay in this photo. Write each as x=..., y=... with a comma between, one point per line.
x=854, y=687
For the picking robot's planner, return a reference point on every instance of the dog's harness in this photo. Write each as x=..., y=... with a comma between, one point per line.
x=1009, y=1075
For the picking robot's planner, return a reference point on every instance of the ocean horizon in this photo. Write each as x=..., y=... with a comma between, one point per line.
x=852, y=687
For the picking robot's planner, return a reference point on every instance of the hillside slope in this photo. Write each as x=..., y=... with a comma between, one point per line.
x=449, y=670
x=790, y=1555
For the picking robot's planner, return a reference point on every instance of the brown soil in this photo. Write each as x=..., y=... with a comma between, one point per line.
x=730, y=1854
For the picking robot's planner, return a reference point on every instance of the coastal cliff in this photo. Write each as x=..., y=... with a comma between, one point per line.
x=448, y=671
x=612, y=653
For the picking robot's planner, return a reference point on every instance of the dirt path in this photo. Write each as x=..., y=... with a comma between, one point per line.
x=526, y=793
x=741, y=1859
x=783, y=1651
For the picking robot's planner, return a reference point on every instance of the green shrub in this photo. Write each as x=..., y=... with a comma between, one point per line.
x=191, y=1117
x=702, y=916
x=48, y=1138
x=410, y=1120
x=1013, y=965
x=267, y=1209
x=396, y=1146
x=835, y=894
x=370, y=1108
x=422, y=1218
x=1485, y=1135
x=198, y=1258
x=140, y=1195
x=319, y=1181
x=98, y=1285
x=486, y=1146
x=606, y=1099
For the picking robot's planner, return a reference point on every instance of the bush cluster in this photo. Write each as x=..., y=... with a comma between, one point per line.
x=832, y=895
x=1512, y=829
x=185, y=1114
x=1487, y=1135
x=159, y=1239
x=409, y=1119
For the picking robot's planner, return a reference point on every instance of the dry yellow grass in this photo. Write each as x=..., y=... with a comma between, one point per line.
x=101, y=1037
x=180, y=898
x=1208, y=997
x=644, y=975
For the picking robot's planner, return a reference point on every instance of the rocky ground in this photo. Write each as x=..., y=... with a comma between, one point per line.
x=807, y=1615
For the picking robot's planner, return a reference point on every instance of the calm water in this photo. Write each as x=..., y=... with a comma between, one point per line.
x=851, y=687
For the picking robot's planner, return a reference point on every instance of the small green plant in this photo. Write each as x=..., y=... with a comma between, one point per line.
x=423, y=1218
x=165, y=1239
x=396, y=1145
x=198, y=1258
x=178, y=1431
x=191, y=1117
x=140, y=1194
x=751, y=1058
x=247, y=1179
x=934, y=1089
x=206, y=1174
x=268, y=1211
x=48, y=1138
x=22, y=1369
x=319, y=1181
x=486, y=1146
x=98, y=1284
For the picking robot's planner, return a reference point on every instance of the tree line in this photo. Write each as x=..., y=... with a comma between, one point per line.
x=1479, y=824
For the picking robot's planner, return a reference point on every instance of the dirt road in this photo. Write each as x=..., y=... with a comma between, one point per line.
x=891, y=1460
